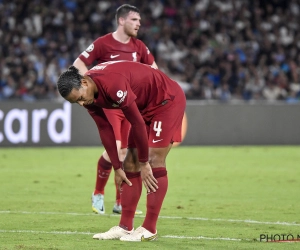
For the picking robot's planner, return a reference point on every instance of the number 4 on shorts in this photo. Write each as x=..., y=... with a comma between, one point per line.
x=157, y=127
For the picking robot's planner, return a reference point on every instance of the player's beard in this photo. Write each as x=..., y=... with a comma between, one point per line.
x=130, y=32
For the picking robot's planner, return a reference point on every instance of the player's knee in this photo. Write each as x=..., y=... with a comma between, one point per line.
x=105, y=156
x=157, y=160
x=157, y=157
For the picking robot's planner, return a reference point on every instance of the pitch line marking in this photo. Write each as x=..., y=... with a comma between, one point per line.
x=162, y=217
x=89, y=233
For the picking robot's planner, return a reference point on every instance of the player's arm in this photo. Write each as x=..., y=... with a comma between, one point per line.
x=89, y=56
x=79, y=64
x=109, y=142
x=139, y=131
x=106, y=134
x=126, y=100
x=146, y=56
x=138, y=128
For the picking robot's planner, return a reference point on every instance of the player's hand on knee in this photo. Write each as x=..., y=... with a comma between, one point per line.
x=120, y=177
x=148, y=179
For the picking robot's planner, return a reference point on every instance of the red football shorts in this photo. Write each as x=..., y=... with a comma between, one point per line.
x=120, y=124
x=164, y=124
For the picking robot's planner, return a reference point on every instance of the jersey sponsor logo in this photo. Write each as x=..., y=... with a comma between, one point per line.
x=113, y=56
x=123, y=95
x=90, y=48
x=155, y=141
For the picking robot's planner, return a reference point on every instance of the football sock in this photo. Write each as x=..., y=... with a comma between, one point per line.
x=103, y=171
x=129, y=199
x=155, y=199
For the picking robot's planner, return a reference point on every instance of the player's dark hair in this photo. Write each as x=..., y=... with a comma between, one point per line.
x=124, y=10
x=68, y=80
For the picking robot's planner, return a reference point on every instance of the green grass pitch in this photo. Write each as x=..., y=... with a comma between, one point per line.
x=218, y=198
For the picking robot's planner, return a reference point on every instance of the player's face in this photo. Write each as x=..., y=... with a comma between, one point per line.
x=132, y=23
x=82, y=96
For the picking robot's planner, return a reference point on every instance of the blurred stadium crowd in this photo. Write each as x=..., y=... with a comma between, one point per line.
x=220, y=50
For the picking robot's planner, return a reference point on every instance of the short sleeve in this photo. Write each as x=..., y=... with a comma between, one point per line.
x=146, y=56
x=119, y=90
x=92, y=53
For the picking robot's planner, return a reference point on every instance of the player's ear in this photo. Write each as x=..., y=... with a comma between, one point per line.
x=84, y=82
x=121, y=20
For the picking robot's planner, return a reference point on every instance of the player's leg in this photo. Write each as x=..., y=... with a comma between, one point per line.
x=104, y=168
x=148, y=232
x=124, y=132
x=103, y=171
x=129, y=199
x=163, y=130
x=130, y=195
x=104, y=165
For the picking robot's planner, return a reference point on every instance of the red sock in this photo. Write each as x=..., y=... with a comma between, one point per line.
x=155, y=199
x=103, y=172
x=129, y=199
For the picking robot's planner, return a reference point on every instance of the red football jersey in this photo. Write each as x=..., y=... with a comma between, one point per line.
x=121, y=82
x=139, y=90
x=106, y=48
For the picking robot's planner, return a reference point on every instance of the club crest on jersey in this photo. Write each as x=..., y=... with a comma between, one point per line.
x=121, y=95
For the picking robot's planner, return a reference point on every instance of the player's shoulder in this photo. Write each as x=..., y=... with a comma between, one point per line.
x=137, y=41
x=104, y=38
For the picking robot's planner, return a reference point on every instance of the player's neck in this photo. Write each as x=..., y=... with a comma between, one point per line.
x=93, y=84
x=121, y=36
